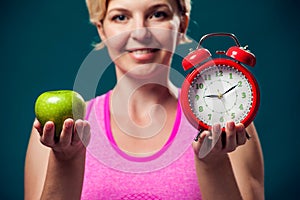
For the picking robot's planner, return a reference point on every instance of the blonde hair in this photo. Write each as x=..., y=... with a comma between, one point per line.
x=97, y=11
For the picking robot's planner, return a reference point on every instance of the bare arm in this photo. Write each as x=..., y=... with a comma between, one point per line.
x=235, y=175
x=217, y=180
x=248, y=167
x=55, y=171
x=35, y=167
x=64, y=178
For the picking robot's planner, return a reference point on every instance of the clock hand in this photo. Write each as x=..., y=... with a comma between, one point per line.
x=229, y=89
x=221, y=95
x=212, y=96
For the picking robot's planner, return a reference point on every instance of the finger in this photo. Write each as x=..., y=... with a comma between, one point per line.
x=66, y=133
x=216, y=139
x=231, y=138
x=78, y=131
x=47, y=137
x=82, y=132
x=197, y=144
x=38, y=126
x=86, y=133
x=211, y=142
x=241, y=134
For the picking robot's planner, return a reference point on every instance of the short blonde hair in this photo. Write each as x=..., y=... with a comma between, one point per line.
x=97, y=12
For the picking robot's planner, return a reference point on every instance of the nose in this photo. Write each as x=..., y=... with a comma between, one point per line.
x=140, y=32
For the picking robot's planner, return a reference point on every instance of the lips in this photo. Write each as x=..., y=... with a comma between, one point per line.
x=143, y=54
x=143, y=51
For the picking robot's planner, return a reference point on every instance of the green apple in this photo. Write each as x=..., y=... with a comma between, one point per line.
x=57, y=106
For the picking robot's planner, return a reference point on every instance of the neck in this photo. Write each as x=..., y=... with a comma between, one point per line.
x=154, y=87
x=143, y=100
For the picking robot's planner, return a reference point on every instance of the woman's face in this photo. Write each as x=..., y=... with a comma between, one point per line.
x=141, y=35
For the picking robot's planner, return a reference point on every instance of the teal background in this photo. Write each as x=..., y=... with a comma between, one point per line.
x=43, y=43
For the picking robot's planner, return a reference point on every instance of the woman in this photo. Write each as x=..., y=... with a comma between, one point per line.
x=138, y=150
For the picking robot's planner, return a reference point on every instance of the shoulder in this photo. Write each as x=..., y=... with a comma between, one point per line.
x=98, y=101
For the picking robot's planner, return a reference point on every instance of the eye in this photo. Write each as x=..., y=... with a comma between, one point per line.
x=159, y=15
x=119, y=18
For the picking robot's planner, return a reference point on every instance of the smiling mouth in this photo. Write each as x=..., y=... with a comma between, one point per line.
x=143, y=51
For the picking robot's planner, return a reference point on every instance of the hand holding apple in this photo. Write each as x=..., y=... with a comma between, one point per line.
x=57, y=106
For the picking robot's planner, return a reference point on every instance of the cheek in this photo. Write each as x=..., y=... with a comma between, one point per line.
x=167, y=39
x=166, y=36
x=116, y=42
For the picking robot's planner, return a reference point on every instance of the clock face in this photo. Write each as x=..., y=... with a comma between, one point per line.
x=219, y=93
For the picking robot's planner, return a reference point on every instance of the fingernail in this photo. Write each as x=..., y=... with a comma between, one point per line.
x=216, y=128
x=68, y=124
x=48, y=127
x=230, y=125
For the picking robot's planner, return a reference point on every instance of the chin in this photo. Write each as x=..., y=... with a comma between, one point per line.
x=148, y=71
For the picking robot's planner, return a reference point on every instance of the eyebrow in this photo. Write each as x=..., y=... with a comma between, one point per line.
x=117, y=9
x=153, y=7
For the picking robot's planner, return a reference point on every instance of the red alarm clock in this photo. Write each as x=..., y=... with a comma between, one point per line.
x=219, y=89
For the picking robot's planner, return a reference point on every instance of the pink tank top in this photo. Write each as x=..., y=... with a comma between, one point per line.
x=110, y=173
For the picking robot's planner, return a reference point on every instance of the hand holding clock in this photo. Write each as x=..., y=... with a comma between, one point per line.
x=216, y=142
x=221, y=124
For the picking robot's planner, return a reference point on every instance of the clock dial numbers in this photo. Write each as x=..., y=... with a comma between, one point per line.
x=219, y=73
x=220, y=93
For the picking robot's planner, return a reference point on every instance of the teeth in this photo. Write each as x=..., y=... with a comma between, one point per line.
x=142, y=51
